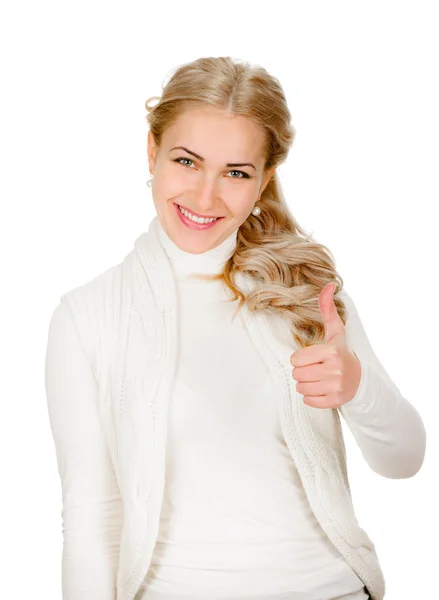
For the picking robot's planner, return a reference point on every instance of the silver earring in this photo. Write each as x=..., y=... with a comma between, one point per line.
x=149, y=182
x=256, y=211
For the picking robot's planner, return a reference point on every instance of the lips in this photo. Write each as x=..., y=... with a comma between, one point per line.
x=195, y=224
x=198, y=214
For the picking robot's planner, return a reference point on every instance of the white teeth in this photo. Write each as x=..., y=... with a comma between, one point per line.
x=194, y=218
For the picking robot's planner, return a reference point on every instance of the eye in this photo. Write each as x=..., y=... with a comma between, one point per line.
x=244, y=175
x=179, y=159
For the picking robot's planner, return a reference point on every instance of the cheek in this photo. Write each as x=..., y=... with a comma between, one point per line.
x=167, y=184
x=240, y=202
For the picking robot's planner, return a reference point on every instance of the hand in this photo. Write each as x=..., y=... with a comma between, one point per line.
x=327, y=374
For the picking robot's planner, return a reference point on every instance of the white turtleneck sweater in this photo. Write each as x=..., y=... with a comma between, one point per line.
x=235, y=521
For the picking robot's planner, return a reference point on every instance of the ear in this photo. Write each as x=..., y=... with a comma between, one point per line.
x=151, y=152
x=267, y=179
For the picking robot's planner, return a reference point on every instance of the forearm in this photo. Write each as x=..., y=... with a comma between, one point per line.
x=386, y=426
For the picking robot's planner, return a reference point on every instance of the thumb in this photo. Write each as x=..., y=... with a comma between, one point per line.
x=334, y=326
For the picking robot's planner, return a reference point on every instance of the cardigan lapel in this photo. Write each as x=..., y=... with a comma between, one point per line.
x=269, y=332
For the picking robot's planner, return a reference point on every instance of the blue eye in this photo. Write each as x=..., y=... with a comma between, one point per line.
x=179, y=159
x=244, y=175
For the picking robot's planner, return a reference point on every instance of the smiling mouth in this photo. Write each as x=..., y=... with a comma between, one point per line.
x=195, y=214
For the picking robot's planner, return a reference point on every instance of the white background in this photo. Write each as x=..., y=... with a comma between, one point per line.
x=361, y=79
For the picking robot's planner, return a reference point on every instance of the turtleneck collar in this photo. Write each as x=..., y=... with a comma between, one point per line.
x=185, y=263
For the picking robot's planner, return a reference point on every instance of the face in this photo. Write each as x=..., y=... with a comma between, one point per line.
x=200, y=180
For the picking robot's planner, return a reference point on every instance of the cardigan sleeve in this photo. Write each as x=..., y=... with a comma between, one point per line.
x=386, y=426
x=91, y=502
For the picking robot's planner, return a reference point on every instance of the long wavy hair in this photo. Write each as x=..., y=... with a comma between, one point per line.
x=289, y=266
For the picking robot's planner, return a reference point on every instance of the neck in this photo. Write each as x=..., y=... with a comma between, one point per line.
x=211, y=261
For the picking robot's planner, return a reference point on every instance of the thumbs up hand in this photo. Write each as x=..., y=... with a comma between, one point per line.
x=328, y=374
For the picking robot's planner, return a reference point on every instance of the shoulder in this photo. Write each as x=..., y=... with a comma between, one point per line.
x=98, y=310
x=350, y=307
x=94, y=294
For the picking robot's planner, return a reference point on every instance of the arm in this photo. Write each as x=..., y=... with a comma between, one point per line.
x=386, y=426
x=92, y=505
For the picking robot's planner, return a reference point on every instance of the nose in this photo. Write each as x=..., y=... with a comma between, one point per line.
x=205, y=200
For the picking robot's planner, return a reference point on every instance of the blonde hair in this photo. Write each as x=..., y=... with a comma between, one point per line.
x=289, y=266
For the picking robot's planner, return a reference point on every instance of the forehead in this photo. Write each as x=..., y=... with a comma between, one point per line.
x=213, y=132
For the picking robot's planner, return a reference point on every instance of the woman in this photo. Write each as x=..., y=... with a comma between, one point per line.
x=200, y=447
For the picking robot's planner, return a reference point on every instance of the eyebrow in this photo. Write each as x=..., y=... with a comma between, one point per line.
x=202, y=159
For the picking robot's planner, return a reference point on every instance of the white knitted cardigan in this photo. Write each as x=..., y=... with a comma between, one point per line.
x=125, y=319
